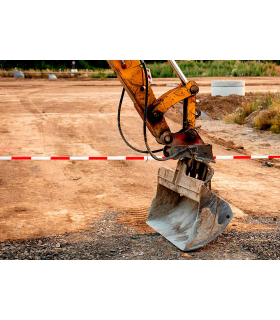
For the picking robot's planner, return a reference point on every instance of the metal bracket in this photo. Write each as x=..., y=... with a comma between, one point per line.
x=201, y=152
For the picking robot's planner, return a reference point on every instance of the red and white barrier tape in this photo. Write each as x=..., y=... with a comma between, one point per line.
x=132, y=158
x=150, y=79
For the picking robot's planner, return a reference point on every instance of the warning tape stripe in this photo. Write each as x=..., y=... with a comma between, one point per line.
x=133, y=158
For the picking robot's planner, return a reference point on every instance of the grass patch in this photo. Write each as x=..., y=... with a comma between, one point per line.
x=256, y=104
x=216, y=68
x=268, y=117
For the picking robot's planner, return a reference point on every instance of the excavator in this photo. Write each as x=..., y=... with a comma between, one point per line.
x=184, y=210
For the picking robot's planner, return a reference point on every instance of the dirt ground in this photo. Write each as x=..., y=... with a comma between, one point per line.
x=98, y=209
x=218, y=107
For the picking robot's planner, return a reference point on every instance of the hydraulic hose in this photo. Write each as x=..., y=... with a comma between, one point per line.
x=120, y=129
x=145, y=121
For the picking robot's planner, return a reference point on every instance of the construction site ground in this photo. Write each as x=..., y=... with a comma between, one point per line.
x=98, y=209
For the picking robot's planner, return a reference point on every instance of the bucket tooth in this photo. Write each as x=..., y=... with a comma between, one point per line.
x=185, y=211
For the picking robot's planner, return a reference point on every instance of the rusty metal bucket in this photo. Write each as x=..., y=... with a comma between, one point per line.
x=185, y=211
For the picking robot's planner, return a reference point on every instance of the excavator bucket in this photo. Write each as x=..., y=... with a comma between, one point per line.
x=185, y=211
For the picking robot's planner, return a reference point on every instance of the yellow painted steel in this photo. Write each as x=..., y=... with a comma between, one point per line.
x=133, y=80
x=167, y=100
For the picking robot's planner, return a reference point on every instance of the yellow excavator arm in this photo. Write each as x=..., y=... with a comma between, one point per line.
x=132, y=77
x=184, y=211
x=185, y=143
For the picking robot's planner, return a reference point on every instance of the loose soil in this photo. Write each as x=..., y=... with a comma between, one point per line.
x=217, y=107
x=97, y=210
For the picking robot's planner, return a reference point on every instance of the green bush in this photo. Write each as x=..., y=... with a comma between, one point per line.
x=215, y=68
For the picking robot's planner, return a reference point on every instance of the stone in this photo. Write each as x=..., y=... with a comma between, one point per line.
x=239, y=146
x=52, y=76
x=249, y=121
x=18, y=74
x=237, y=213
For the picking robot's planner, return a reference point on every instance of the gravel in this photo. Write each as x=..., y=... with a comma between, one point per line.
x=108, y=240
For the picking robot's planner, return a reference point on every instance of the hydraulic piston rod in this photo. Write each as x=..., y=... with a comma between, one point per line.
x=178, y=71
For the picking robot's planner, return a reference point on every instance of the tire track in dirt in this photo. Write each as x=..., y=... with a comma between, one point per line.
x=136, y=218
x=51, y=133
x=70, y=196
x=27, y=103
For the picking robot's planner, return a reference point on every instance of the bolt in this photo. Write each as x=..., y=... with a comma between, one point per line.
x=157, y=115
x=194, y=89
x=168, y=138
x=142, y=88
x=191, y=135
